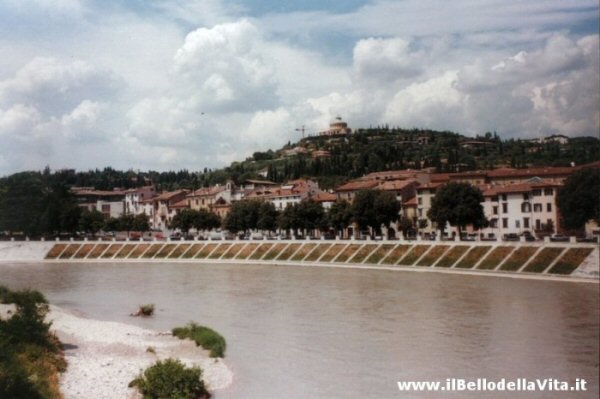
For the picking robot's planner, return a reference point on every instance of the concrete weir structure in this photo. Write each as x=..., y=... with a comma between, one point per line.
x=571, y=261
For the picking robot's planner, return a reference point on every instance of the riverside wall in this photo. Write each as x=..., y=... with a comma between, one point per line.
x=539, y=259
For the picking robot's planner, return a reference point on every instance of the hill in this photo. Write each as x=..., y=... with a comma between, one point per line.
x=331, y=160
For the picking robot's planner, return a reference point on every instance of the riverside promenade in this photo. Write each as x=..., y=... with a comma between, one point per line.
x=542, y=259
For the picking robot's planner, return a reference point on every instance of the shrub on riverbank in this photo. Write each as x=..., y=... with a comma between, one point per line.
x=30, y=357
x=146, y=310
x=170, y=379
x=206, y=337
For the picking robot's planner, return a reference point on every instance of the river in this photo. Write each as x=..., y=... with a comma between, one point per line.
x=313, y=332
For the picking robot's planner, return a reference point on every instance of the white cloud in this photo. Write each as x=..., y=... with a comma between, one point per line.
x=177, y=83
x=17, y=119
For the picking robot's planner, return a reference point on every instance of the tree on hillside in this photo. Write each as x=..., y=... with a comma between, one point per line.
x=579, y=199
x=458, y=204
x=21, y=203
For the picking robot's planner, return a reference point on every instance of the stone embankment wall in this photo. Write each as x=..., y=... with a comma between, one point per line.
x=550, y=259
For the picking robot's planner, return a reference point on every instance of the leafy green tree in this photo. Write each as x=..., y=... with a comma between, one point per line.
x=207, y=220
x=267, y=217
x=91, y=221
x=141, y=223
x=126, y=223
x=311, y=215
x=363, y=209
x=112, y=224
x=21, y=203
x=579, y=199
x=60, y=210
x=374, y=208
x=185, y=220
x=458, y=204
x=243, y=216
x=387, y=208
x=289, y=219
x=406, y=226
x=340, y=216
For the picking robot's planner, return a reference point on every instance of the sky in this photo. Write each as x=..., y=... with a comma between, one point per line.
x=189, y=84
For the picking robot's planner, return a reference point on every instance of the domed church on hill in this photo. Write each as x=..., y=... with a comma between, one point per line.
x=337, y=127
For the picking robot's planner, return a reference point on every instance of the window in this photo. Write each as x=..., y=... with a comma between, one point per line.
x=526, y=223
x=538, y=224
x=504, y=197
x=494, y=223
x=525, y=207
x=525, y=197
x=518, y=224
x=505, y=223
x=420, y=212
x=537, y=207
x=495, y=209
x=505, y=208
x=548, y=207
x=548, y=191
x=536, y=193
x=495, y=198
x=420, y=200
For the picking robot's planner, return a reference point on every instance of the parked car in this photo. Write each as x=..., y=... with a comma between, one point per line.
x=528, y=236
x=510, y=237
x=587, y=239
x=429, y=236
x=175, y=236
x=490, y=237
x=559, y=238
x=329, y=236
x=257, y=236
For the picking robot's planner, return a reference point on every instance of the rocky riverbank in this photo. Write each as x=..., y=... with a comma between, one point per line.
x=103, y=357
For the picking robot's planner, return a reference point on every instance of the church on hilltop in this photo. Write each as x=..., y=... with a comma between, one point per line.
x=336, y=128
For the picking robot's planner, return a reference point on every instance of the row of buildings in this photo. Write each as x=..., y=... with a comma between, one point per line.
x=515, y=200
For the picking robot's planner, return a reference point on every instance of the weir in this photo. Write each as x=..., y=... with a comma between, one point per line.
x=578, y=260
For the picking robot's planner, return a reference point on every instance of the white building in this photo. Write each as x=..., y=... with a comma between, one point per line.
x=517, y=208
x=135, y=197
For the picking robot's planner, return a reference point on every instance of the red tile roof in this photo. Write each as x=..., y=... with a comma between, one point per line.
x=411, y=202
x=531, y=172
x=357, y=185
x=181, y=204
x=207, y=191
x=167, y=196
x=395, y=185
x=324, y=197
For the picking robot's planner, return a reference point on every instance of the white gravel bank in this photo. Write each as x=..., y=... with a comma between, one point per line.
x=103, y=357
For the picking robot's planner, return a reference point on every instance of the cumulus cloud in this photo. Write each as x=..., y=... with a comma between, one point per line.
x=54, y=86
x=226, y=68
x=191, y=84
